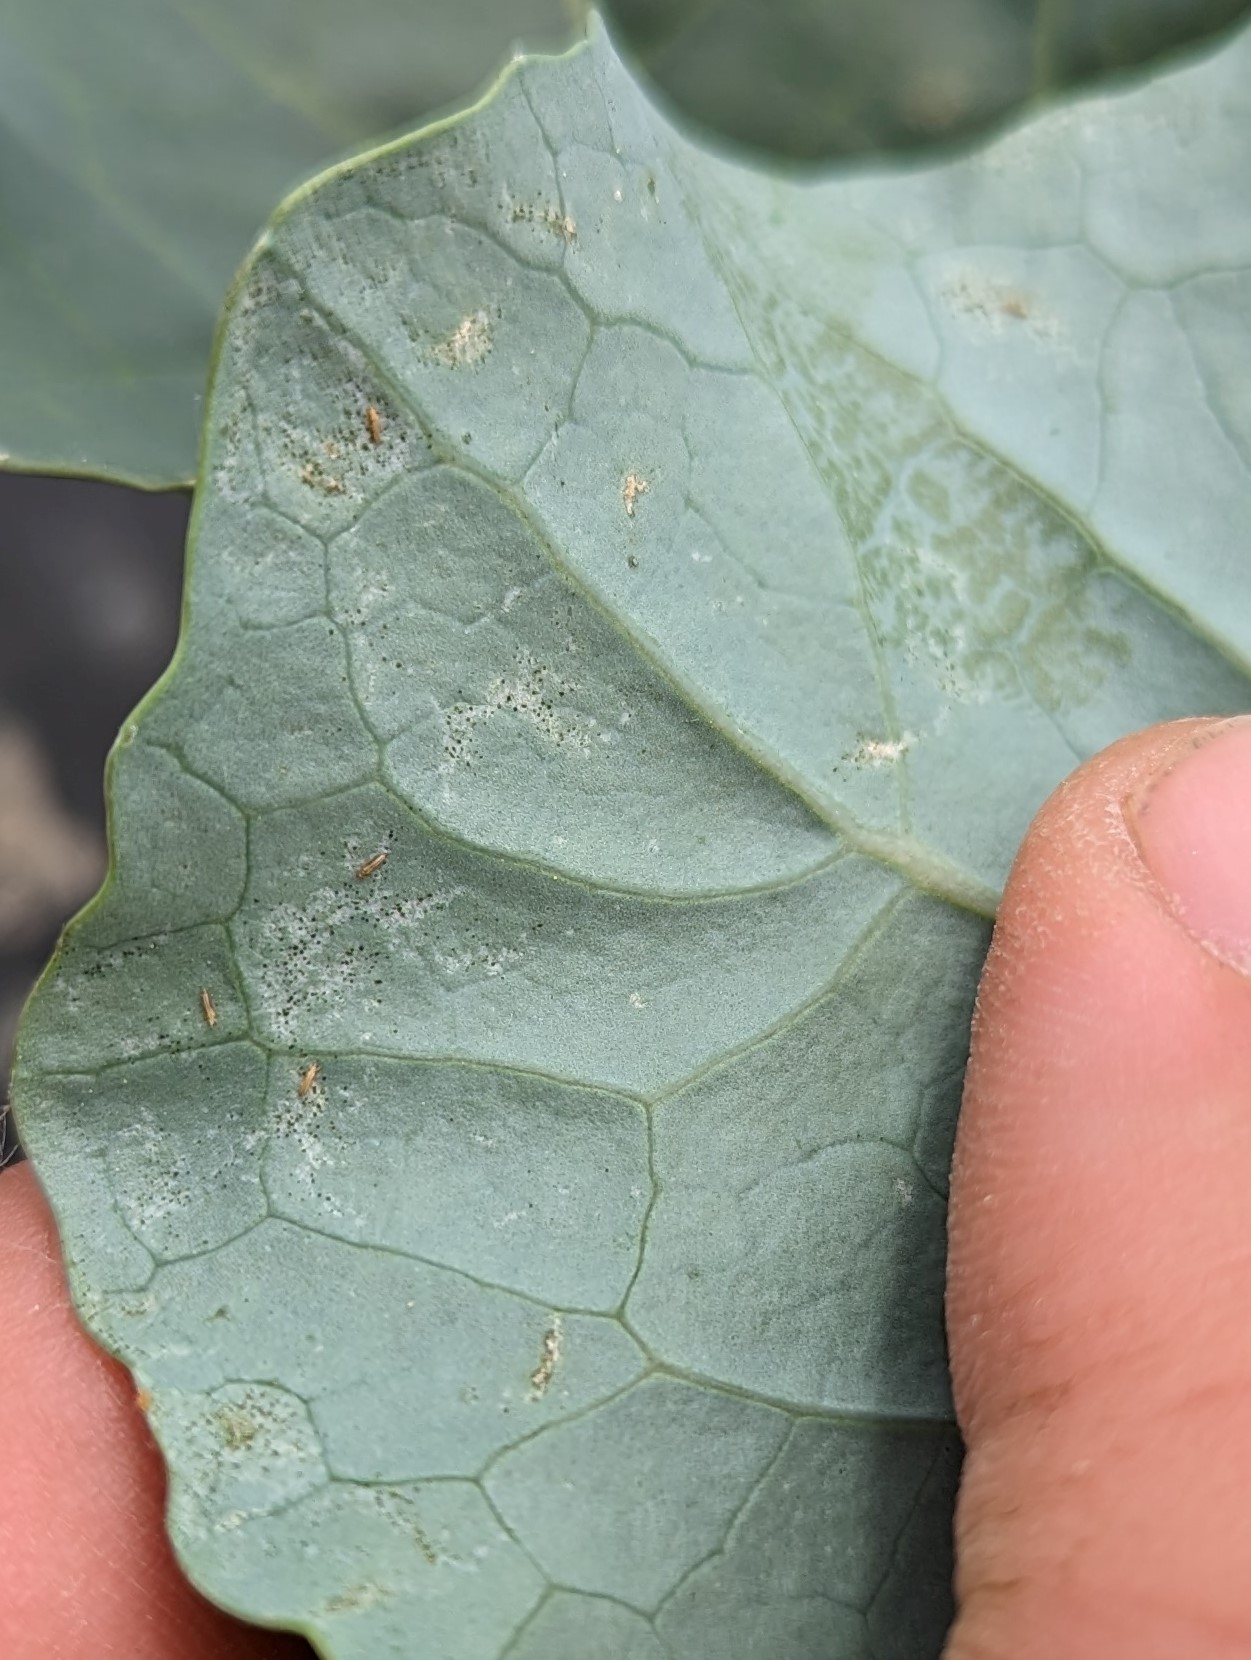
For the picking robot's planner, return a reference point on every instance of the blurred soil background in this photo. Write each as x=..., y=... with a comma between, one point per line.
x=90, y=584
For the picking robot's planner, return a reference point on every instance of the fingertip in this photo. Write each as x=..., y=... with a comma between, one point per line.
x=1100, y=1256
x=85, y=1564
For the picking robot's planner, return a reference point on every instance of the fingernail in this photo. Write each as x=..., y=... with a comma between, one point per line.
x=1192, y=826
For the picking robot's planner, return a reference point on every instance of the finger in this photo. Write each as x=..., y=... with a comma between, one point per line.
x=1099, y=1291
x=86, y=1570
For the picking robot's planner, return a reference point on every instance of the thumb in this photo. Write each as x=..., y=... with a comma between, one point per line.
x=1099, y=1290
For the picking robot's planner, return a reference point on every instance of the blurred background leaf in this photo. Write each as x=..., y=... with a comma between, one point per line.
x=813, y=79
x=142, y=145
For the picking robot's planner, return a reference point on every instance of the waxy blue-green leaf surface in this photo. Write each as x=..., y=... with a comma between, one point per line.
x=144, y=142
x=691, y=582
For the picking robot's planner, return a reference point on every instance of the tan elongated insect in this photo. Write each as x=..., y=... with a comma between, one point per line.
x=208, y=1005
x=373, y=424
x=635, y=486
x=307, y=1079
x=371, y=865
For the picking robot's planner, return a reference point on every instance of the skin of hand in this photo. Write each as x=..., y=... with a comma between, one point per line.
x=1099, y=1281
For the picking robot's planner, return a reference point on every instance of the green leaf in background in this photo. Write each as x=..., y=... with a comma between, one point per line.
x=142, y=145
x=813, y=79
x=691, y=582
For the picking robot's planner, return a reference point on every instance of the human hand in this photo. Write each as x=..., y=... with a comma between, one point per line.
x=86, y=1569
x=1099, y=1275
x=1099, y=1278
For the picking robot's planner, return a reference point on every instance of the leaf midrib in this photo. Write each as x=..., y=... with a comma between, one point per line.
x=928, y=871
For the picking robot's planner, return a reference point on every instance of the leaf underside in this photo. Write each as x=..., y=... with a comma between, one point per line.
x=691, y=582
x=143, y=143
